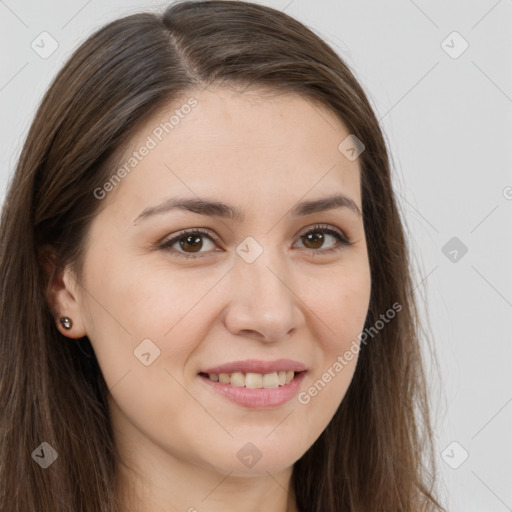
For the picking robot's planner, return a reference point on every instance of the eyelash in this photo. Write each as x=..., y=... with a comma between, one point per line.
x=342, y=241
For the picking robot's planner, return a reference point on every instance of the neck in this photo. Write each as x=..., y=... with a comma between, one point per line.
x=194, y=489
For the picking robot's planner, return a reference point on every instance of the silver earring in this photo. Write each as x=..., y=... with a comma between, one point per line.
x=66, y=322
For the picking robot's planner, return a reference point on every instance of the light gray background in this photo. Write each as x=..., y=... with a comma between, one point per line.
x=448, y=123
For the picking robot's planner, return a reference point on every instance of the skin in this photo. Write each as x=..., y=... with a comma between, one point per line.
x=262, y=154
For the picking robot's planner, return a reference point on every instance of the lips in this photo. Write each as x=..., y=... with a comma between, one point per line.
x=255, y=390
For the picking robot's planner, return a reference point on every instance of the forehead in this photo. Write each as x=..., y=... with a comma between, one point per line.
x=222, y=142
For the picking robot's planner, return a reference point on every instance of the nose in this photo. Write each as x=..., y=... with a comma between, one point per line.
x=264, y=302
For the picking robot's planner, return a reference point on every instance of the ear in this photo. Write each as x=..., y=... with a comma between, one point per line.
x=62, y=294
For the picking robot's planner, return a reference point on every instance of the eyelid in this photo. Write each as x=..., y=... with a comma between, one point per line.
x=167, y=244
x=329, y=228
x=343, y=240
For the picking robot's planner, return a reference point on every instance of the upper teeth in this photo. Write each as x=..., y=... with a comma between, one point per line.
x=253, y=380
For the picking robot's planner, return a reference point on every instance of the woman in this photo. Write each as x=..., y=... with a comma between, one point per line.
x=206, y=294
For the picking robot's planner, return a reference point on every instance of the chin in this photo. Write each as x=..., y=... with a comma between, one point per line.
x=256, y=457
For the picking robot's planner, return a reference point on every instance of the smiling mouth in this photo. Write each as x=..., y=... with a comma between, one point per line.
x=251, y=380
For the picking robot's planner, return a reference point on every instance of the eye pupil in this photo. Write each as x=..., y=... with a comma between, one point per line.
x=316, y=238
x=191, y=239
x=192, y=242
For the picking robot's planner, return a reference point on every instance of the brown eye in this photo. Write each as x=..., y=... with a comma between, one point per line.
x=193, y=242
x=315, y=238
x=189, y=243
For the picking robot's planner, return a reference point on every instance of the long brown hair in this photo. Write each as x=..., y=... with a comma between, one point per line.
x=377, y=452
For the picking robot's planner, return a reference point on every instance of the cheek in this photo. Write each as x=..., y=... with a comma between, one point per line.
x=338, y=312
x=144, y=324
x=143, y=301
x=339, y=301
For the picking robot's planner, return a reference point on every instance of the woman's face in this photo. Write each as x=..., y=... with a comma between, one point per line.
x=268, y=290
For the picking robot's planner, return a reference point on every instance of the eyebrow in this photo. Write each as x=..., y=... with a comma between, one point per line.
x=219, y=209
